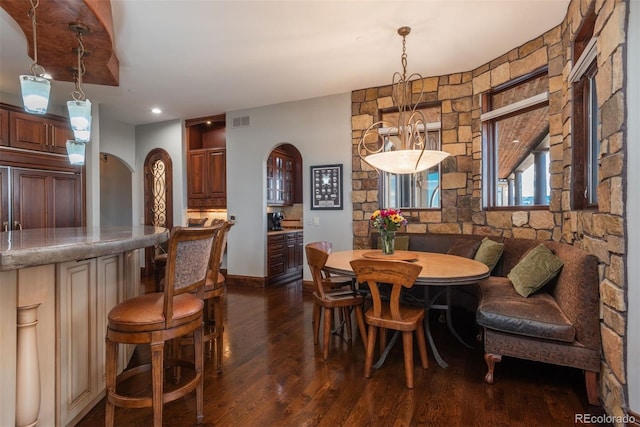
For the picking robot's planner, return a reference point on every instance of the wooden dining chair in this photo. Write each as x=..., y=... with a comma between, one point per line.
x=159, y=317
x=391, y=314
x=214, y=289
x=330, y=282
x=327, y=300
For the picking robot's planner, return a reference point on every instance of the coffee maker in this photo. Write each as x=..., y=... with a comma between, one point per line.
x=274, y=220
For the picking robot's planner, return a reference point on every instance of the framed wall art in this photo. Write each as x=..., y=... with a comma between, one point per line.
x=326, y=187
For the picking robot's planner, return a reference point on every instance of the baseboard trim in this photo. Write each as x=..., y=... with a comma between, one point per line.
x=308, y=286
x=253, y=281
x=636, y=419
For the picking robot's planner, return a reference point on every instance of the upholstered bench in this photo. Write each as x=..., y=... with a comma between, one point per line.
x=557, y=324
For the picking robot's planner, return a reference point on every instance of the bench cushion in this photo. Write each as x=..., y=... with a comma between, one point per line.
x=501, y=308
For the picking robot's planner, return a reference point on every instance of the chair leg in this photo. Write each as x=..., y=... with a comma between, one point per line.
x=198, y=349
x=491, y=359
x=326, y=333
x=219, y=319
x=110, y=380
x=347, y=322
x=316, y=322
x=371, y=344
x=383, y=339
x=591, y=383
x=157, y=370
x=422, y=346
x=361, y=325
x=407, y=344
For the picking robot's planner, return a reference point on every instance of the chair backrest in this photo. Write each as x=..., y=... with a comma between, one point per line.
x=196, y=222
x=397, y=273
x=188, y=258
x=317, y=255
x=222, y=228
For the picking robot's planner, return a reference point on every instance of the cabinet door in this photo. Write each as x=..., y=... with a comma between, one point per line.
x=270, y=182
x=299, y=250
x=287, y=198
x=59, y=133
x=31, y=199
x=4, y=127
x=4, y=199
x=290, y=255
x=45, y=199
x=27, y=131
x=197, y=175
x=217, y=174
x=79, y=376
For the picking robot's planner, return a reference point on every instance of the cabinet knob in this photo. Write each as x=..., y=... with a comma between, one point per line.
x=17, y=225
x=5, y=226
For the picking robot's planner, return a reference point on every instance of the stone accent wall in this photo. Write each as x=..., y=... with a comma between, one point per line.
x=600, y=232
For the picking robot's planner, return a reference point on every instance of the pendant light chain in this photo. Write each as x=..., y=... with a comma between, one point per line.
x=78, y=93
x=36, y=69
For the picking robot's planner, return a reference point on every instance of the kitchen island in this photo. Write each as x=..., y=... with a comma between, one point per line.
x=56, y=288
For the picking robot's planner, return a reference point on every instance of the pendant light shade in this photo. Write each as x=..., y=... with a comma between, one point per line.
x=80, y=119
x=402, y=146
x=75, y=152
x=35, y=87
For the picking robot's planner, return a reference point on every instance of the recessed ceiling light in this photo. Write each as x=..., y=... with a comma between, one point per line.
x=156, y=110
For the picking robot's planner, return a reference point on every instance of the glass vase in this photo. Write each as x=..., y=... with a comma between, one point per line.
x=387, y=239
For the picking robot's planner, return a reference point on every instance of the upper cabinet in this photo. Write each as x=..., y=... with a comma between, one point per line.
x=40, y=133
x=206, y=163
x=284, y=176
x=4, y=127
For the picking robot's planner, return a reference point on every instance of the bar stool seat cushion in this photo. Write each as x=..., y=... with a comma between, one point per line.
x=144, y=313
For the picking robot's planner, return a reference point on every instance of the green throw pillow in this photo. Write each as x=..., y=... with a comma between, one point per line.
x=489, y=252
x=534, y=270
x=400, y=243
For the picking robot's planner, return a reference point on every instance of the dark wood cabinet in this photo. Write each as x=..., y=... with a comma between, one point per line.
x=206, y=163
x=4, y=127
x=284, y=256
x=4, y=199
x=207, y=178
x=46, y=199
x=40, y=133
x=280, y=179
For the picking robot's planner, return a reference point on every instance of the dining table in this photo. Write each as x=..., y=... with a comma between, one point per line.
x=440, y=273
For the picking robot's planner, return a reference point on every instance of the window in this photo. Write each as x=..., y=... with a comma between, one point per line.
x=516, y=137
x=585, y=142
x=420, y=190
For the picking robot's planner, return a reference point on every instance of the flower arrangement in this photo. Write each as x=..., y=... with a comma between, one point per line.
x=388, y=219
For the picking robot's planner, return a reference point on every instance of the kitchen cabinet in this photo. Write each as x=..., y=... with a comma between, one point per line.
x=284, y=177
x=4, y=127
x=206, y=163
x=86, y=291
x=46, y=199
x=39, y=133
x=207, y=178
x=284, y=256
x=4, y=199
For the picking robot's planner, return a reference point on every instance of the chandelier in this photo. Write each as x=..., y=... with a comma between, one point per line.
x=401, y=147
x=35, y=87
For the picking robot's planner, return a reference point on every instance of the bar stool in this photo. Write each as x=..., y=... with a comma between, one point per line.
x=213, y=296
x=159, y=317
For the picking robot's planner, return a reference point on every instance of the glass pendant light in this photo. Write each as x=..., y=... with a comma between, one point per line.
x=408, y=151
x=35, y=87
x=75, y=151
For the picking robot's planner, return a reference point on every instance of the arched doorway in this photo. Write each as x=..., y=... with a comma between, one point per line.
x=158, y=196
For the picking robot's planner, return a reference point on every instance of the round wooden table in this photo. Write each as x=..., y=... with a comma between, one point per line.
x=442, y=270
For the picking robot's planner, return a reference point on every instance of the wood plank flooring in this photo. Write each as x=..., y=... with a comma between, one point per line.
x=273, y=375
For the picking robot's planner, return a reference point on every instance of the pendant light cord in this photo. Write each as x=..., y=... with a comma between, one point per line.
x=36, y=69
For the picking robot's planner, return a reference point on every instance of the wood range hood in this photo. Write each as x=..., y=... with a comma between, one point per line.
x=57, y=43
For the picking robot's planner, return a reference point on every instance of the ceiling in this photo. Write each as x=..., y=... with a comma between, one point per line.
x=195, y=58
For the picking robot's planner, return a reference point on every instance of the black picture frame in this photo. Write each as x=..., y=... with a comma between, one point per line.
x=326, y=187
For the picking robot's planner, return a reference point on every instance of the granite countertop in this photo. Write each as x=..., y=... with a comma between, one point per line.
x=28, y=248
x=283, y=231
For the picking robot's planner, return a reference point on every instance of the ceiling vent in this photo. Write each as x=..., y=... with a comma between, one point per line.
x=240, y=122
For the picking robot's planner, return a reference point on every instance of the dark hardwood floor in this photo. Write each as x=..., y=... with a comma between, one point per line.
x=273, y=375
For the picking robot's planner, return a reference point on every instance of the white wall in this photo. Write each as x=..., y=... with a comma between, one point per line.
x=320, y=129
x=170, y=137
x=633, y=206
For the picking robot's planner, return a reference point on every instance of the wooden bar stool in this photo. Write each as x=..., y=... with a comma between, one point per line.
x=159, y=317
x=392, y=315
